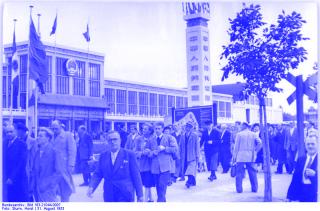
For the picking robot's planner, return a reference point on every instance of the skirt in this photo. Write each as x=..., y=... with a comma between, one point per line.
x=147, y=179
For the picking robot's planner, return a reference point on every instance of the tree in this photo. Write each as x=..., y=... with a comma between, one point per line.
x=263, y=55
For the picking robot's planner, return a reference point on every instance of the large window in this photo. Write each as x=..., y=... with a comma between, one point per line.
x=111, y=100
x=162, y=105
x=143, y=103
x=185, y=102
x=133, y=103
x=79, y=87
x=195, y=97
x=62, y=76
x=121, y=101
x=224, y=109
x=153, y=104
x=94, y=82
x=48, y=84
x=179, y=102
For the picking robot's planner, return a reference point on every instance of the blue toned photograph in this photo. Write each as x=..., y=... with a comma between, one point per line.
x=160, y=101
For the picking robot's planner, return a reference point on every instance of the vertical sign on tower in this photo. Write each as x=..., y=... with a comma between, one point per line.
x=197, y=15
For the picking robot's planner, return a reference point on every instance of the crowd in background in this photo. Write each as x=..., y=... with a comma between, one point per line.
x=41, y=169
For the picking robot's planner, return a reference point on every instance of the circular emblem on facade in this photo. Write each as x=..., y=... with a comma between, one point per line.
x=72, y=67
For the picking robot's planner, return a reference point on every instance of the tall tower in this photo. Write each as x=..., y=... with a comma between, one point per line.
x=197, y=15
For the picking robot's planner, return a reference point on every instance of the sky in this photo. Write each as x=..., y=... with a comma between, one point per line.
x=145, y=41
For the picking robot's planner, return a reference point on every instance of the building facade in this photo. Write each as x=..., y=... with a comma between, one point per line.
x=102, y=104
x=74, y=98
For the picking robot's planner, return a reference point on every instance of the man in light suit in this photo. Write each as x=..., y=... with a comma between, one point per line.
x=85, y=153
x=119, y=169
x=190, y=153
x=247, y=144
x=211, y=140
x=162, y=149
x=304, y=184
x=65, y=144
x=291, y=146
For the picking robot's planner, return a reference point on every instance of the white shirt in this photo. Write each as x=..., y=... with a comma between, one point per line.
x=304, y=179
x=114, y=156
x=291, y=131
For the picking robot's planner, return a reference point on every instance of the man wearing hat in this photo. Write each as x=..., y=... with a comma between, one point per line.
x=211, y=140
x=189, y=153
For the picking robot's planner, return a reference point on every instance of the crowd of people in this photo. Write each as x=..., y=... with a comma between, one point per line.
x=154, y=156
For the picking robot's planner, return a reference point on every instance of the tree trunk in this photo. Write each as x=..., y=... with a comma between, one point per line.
x=266, y=151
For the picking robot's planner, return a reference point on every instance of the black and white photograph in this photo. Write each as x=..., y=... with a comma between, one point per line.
x=159, y=101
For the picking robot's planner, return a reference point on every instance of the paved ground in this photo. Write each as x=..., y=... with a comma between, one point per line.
x=220, y=190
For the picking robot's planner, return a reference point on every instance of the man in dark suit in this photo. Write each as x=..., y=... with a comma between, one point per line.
x=119, y=169
x=85, y=153
x=211, y=139
x=281, y=152
x=304, y=184
x=291, y=146
x=225, y=149
x=15, y=173
x=123, y=135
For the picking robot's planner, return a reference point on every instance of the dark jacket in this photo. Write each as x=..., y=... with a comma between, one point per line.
x=298, y=191
x=15, y=169
x=211, y=141
x=121, y=180
x=226, y=141
x=85, y=147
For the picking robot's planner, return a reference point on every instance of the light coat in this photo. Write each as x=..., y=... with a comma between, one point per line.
x=247, y=145
x=193, y=153
x=65, y=144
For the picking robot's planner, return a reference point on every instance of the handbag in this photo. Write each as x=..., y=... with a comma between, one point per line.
x=233, y=170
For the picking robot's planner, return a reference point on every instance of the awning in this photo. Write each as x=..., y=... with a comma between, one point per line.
x=67, y=100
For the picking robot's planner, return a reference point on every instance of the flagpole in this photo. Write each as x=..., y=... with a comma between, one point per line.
x=11, y=84
x=28, y=73
x=36, y=92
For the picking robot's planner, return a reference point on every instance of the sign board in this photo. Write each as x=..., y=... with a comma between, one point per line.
x=198, y=115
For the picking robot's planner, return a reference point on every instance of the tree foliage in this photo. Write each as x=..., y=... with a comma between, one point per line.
x=263, y=54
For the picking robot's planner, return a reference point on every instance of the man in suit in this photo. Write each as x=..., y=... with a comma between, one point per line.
x=211, y=139
x=190, y=153
x=15, y=160
x=304, y=184
x=119, y=169
x=85, y=153
x=32, y=147
x=281, y=152
x=132, y=138
x=161, y=150
x=291, y=146
x=123, y=134
x=65, y=144
x=247, y=144
x=225, y=149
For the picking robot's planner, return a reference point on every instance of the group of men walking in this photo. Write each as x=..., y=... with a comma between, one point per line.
x=38, y=169
x=156, y=157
